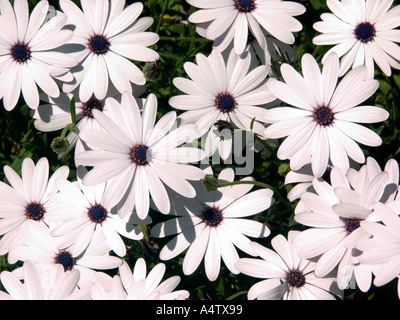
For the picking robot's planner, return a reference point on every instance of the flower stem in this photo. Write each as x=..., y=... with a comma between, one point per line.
x=161, y=16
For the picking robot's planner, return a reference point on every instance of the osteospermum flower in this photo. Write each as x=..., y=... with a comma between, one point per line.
x=287, y=275
x=333, y=215
x=137, y=156
x=321, y=120
x=26, y=198
x=28, y=52
x=111, y=37
x=83, y=209
x=136, y=284
x=55, y=115
x=383, y=248
x=212, y=225
x=231, y=20
x=43, y=250
x=363, y=32
x=40, y=286
x=222, y=90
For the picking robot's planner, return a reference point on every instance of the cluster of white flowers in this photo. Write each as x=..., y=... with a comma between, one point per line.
x=83, y=64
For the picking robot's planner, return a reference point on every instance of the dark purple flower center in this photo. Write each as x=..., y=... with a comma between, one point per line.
x=324, y=116
x=140, y=154
x=99, y=44
x=245, y=5
x=20, y=52
x=212, y=216
x=296, y=278
x=365, y=32
x=65, y=259
x=34, y=211
x=91, y=104
x=97, y=213
x=225, y=102
x=351, y=224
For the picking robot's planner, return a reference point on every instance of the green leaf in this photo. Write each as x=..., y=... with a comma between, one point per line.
x=316, y=4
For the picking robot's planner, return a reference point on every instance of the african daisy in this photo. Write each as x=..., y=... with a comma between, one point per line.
x=83, y=209
x=383, y=249
x=287, y=275
x=46, y=253
x=55, y=115
x=57, y=285
x=111, y=37
x=137, y=156
x=334, y=214
x=29, y=55
x=26, y=199
x=136, y=284
x=320, y=121
x=211, y=225
x=223, y=89
x=363, y=32
x=231, y=20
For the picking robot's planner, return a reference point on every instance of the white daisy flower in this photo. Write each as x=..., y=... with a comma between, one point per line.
x=55, y=115
x=322, y=117
x=274, y=49
x=287, y=275
x=212, y=225
x=383, y=248
x=111, y=37
x=26, y=199
x=231, y=20
x=40, y=286
x=83, y=209
x=29, y=56
x=138, y=156
x=136, y=284
x=363, y=32
x=334, y=214
x=222, y=90
x=43, y=250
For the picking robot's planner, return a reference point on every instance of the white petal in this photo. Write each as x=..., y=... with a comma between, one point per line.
x=249, y=227
x=363, y=114
x=297, y=139
x=312, y=74
x=250, y=204
x=13, y=286
x=36, y=19
x=29, y=89
x=283, y=92
x=329, y=260
x=241, y=34
x=141, y=191
x=42, y=78
x=221, y=23
x=114, y=240
x=173, y=180
x=11, y=85
x=196, y=251
x=8, y=15
x=359, y=133
x=135, y=52
x=212, y=257
x=298, y=85
x=124, y=20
